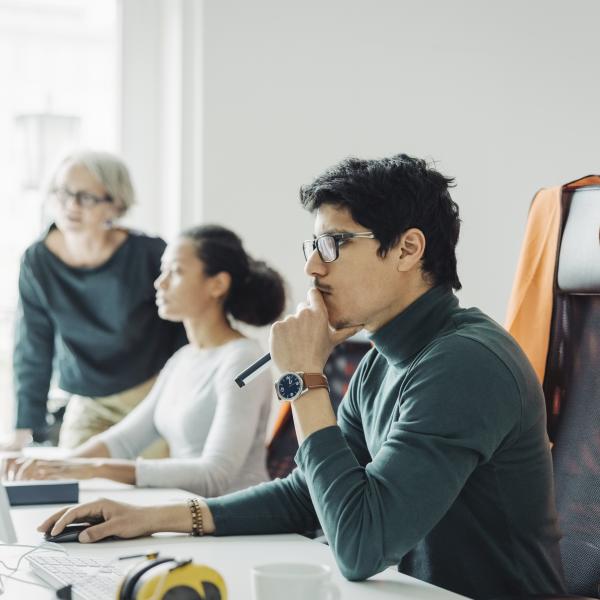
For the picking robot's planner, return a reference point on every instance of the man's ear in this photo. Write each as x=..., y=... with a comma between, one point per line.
x=220, y=284
x=409, y=249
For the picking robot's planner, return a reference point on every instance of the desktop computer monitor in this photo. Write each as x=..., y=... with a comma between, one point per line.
x=7, y=529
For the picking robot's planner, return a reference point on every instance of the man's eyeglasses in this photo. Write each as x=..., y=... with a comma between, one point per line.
x=328, y=244
x=83, y=199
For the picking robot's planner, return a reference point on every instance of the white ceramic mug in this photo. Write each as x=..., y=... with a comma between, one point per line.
x=293, y=581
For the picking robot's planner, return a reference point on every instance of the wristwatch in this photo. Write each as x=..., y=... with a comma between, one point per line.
x=292, y=385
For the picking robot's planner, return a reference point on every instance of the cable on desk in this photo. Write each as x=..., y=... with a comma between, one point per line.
x=12, y=570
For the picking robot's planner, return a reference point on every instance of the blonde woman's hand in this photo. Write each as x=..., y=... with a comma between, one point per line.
x=16, y=440
x=7, y=464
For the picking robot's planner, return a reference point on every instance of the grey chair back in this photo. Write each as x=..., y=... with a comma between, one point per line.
x=572, y=389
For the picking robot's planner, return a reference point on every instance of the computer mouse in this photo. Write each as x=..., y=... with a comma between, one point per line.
x=69, y=534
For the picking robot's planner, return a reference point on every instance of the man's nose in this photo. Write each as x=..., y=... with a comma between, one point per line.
x=314, y=266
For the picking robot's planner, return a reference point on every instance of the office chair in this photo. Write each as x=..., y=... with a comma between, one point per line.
x=571, y=384
x=339, y=369
x=572, y=388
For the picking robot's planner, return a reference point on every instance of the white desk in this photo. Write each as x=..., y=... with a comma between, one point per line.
x=233, y=557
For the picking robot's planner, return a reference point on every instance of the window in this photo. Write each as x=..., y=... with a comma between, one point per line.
x=58, y=67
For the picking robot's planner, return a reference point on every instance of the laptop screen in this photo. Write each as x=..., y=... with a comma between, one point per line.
x=7, y=529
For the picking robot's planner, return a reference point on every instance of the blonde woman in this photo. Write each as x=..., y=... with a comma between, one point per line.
x=86, y=306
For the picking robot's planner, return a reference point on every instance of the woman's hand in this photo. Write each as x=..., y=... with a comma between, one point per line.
x=36, y=468
x=117, y=518
x=17, y=440
x=7, y=464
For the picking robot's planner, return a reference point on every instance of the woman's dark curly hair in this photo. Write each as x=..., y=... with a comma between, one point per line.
x=389, y=196
x=257, y=292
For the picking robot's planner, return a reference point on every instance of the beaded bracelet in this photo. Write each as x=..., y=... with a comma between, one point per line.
x=197, y=524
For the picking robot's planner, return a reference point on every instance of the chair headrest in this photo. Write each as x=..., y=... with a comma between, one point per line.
x=579, y=258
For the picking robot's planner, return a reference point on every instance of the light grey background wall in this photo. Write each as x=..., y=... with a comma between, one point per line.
x=502, y=95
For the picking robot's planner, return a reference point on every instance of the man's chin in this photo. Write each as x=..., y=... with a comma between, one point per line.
x=338, y=321
x=344, y=323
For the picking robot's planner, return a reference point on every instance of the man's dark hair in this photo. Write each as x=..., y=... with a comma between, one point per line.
x=389, y=196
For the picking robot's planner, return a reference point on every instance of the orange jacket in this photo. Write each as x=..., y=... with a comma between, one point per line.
x=283, y=415
x=530, y=305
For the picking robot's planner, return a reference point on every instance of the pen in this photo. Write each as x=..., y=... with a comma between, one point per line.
x=253, y=370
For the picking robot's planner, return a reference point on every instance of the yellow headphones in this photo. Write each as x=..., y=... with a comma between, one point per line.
x=170, y=578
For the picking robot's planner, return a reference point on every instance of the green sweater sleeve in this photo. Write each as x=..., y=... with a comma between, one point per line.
x=279, y=506
x=450, y=419
x=33, y=352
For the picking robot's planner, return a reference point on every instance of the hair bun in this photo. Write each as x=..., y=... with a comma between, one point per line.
x=260, y=298
x=257, y=292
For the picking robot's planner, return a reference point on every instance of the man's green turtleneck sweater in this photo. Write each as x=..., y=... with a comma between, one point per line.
x=439, y=464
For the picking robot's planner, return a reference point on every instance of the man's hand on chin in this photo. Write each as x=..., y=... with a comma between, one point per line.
x=303, y=341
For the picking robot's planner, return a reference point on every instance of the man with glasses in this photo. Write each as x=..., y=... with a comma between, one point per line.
x=438, y=461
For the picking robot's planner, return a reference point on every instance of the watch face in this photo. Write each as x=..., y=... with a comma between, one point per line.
x=289, y=386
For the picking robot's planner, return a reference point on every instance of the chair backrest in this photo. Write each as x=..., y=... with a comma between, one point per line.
x=572, y=389
x=339, y=369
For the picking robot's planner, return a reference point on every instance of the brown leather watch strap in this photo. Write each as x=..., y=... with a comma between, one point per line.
x=315, y=380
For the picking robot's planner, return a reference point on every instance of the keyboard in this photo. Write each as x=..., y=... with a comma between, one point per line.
x=91, y=579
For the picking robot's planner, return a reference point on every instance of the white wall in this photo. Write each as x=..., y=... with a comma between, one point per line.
x=503, y=95
x=161, y=110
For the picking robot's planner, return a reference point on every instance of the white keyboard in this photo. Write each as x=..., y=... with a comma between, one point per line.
x=91, y=579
